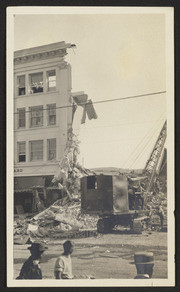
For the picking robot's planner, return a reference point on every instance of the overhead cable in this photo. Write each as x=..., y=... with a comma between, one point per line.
x=141, y=153
x=104, y=101
x=140, y=144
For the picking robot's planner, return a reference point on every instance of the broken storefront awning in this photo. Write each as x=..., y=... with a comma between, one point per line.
x=28, y=183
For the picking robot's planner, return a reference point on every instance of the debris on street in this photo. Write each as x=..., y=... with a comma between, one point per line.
x=62, y=219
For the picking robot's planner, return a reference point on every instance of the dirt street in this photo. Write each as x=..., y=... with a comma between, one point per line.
x=104, y=256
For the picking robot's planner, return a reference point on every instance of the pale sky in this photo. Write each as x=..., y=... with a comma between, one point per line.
x=116, y=56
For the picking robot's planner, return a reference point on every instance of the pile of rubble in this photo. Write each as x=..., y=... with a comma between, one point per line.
x=20, y=226
x=61, y=219
x=156, y=199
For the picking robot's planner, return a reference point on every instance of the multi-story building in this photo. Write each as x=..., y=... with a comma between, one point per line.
x=42, y=94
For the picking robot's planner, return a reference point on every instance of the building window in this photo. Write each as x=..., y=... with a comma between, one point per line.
x=21, y=118
x=36, y=82
x=51, y=148
x=21, y=151
x=51, y=80
x=36, y=150
x=21, y=85
x=36, y=116
x=91, y=182
x=51, y=114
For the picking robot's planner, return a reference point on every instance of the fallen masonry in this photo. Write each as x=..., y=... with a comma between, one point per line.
x=63, y=219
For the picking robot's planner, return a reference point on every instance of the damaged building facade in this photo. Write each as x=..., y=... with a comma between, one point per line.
x=43, y=115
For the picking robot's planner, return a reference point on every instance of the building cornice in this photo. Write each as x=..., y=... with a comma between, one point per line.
x=42, y=52
x=39, y=56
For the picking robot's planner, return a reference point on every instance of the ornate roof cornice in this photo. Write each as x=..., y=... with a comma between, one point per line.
x=40, y=56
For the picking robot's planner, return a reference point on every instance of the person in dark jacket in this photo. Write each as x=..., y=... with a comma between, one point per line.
x=31, y=268
x=144, y=262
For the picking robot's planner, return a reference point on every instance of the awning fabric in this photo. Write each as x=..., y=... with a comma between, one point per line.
x=28, y=183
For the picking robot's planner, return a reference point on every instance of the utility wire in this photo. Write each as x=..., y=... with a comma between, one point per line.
x=103, y=101
x=140, y=143
x=130, y=97
x=144, y=148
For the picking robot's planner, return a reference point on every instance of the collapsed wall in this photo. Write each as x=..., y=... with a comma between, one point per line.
x=70, y=171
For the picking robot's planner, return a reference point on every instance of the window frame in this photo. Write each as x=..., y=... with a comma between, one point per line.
x=18, y=146
x=30, y=150
x=49, y=108
x=50, y=88
x=19, y=86
x=37, y=86
x=48, y=149
x=41, y=109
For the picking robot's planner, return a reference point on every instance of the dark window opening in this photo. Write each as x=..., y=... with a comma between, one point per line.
x=22, y=152
x=21, y=85
x=92, y=182
x=22, y=91
x=22, y=158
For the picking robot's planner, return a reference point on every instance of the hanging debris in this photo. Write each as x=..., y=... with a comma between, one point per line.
x=70, y=171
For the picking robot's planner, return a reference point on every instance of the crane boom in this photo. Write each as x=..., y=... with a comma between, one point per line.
x=151, y=164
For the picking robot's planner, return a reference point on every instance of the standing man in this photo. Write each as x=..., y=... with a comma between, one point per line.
x=160, y=213
x=63, y=265
x=144, y=262
x=31, y=268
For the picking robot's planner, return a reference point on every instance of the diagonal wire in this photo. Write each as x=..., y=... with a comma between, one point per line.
x=143, y=149
x=140, y=143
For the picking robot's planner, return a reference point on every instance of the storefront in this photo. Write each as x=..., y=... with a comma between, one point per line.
x=33, y=194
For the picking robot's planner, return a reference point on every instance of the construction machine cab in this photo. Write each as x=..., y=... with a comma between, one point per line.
x=104, y=194
x=109, y=197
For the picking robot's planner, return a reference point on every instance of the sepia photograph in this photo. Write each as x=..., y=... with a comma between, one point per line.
x=90, y=143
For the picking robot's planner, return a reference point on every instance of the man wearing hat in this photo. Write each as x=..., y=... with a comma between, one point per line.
x=31, y=268
x=63, y=265
x=144, y=262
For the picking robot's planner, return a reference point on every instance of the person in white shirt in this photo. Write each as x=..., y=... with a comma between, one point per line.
x=63, y=265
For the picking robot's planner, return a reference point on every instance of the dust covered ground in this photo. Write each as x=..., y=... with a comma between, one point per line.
x=103, y=256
